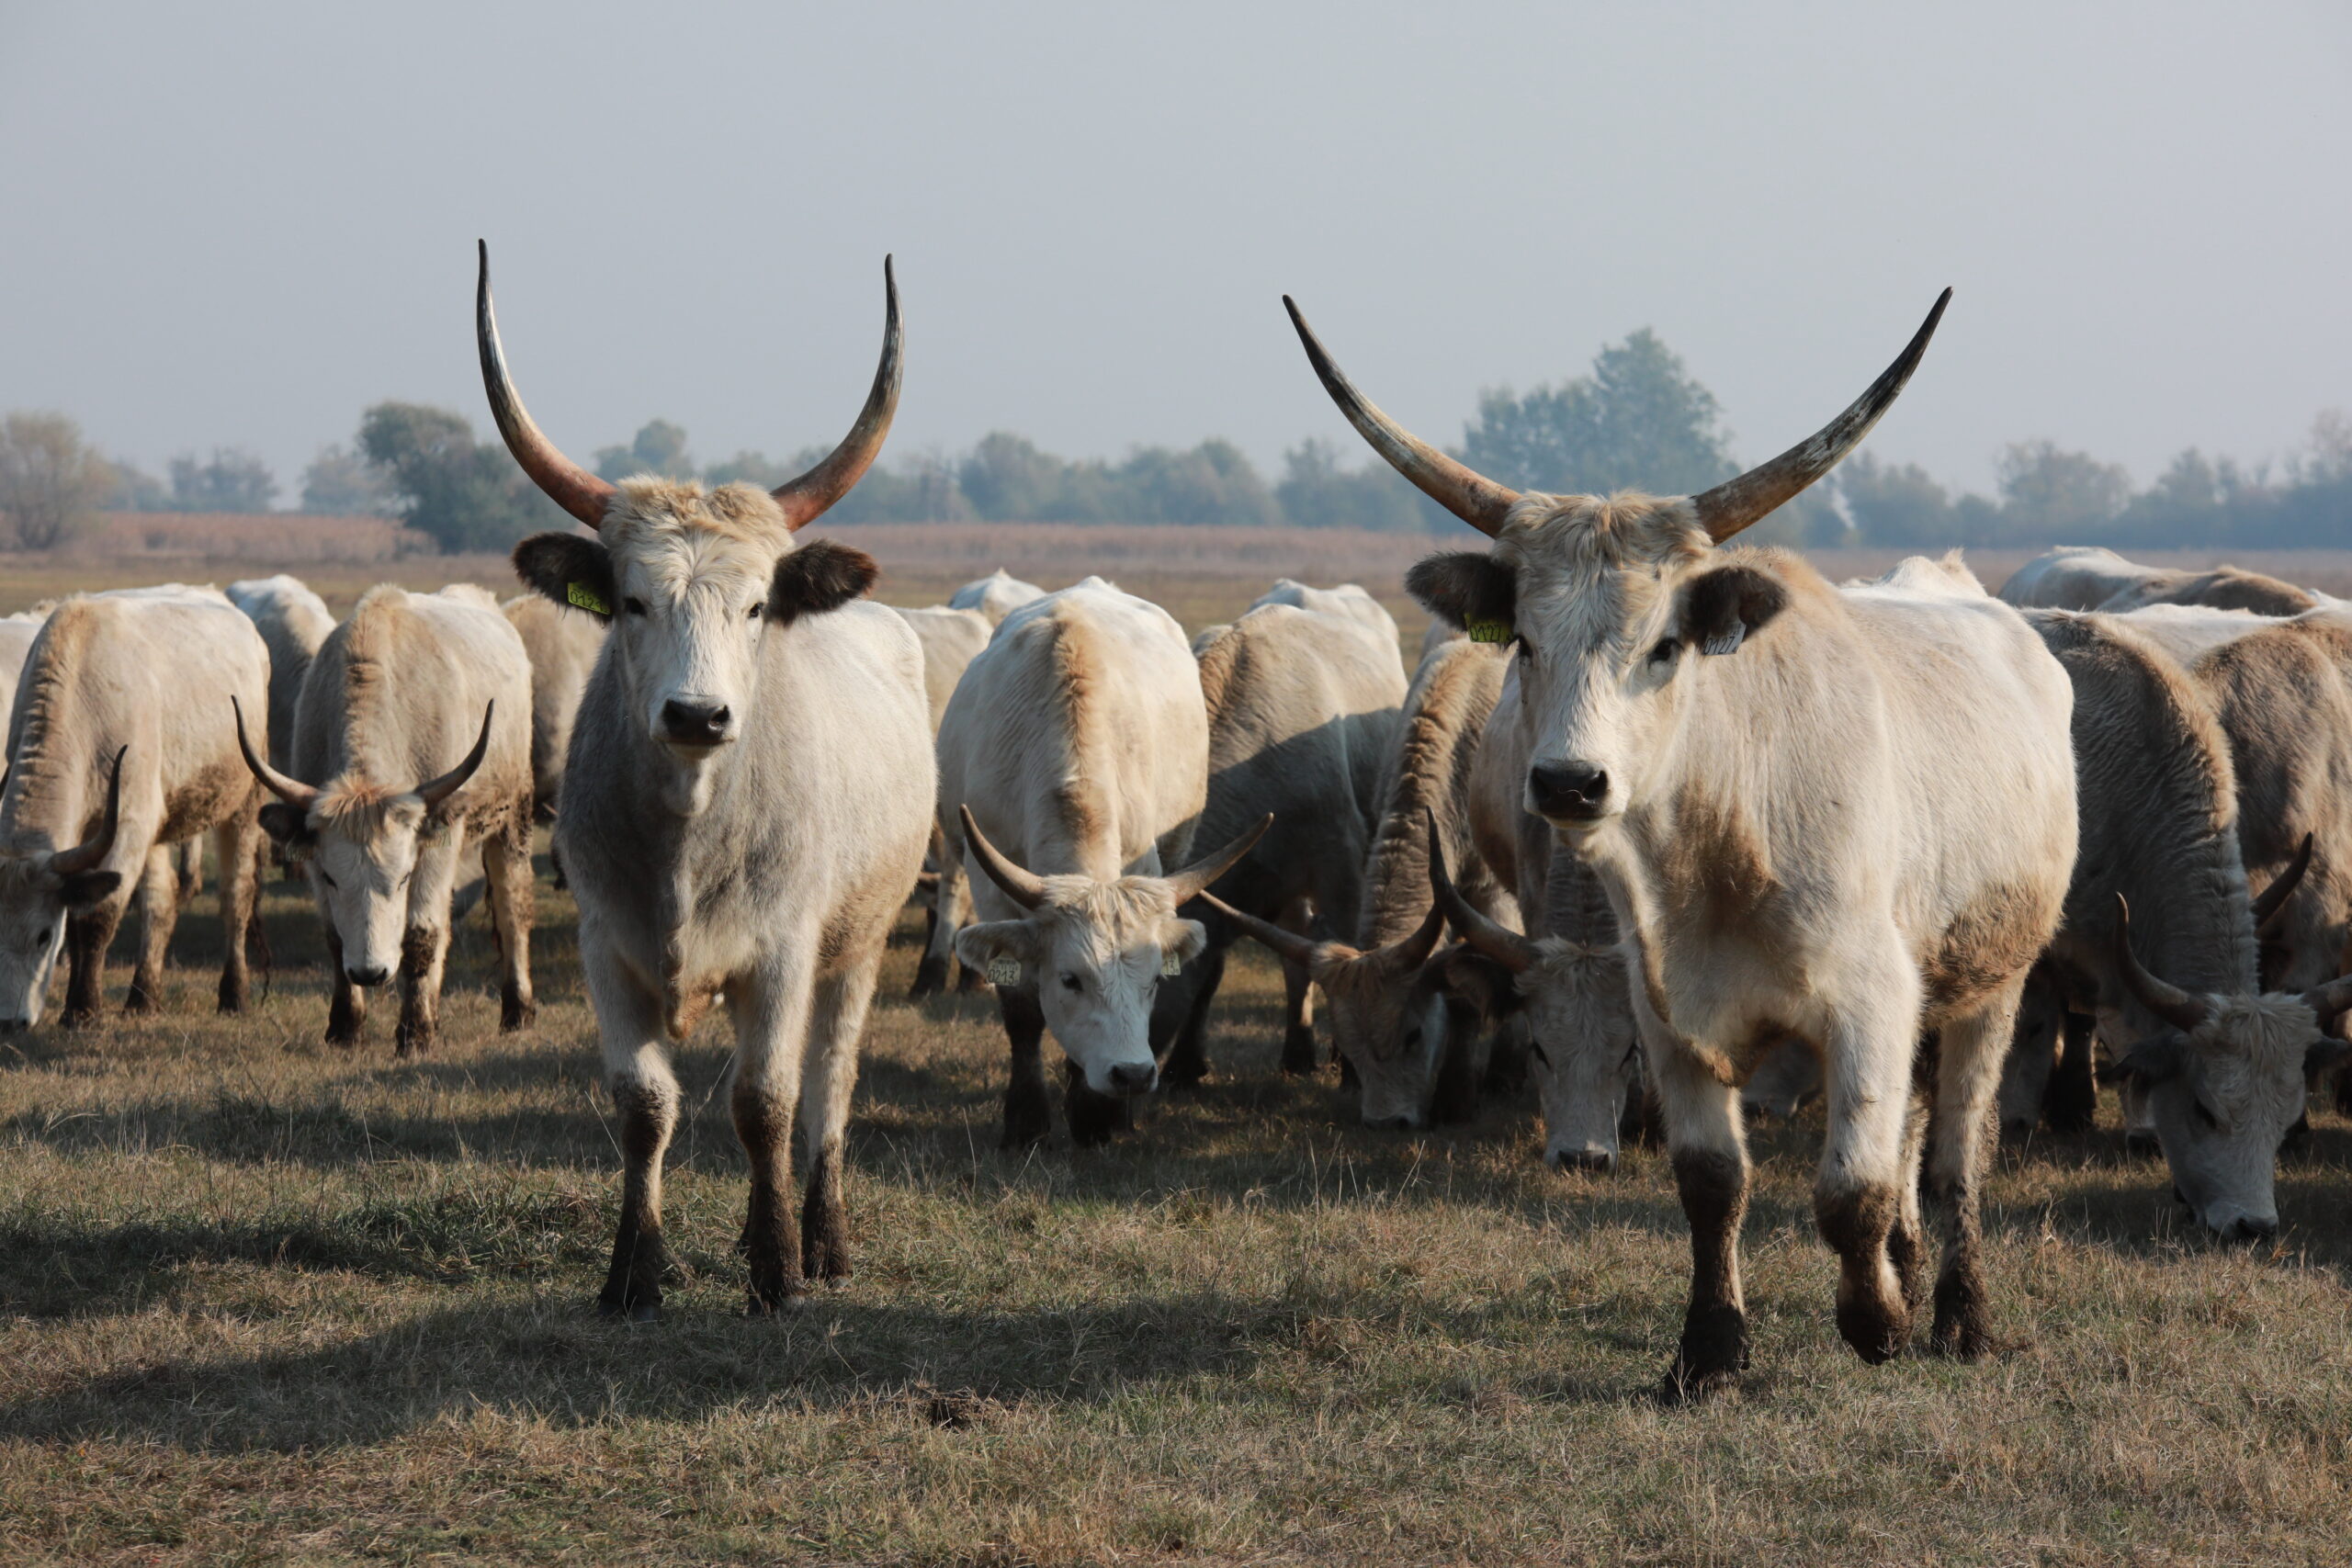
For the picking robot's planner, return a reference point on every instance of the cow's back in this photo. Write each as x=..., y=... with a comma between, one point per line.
x=951, y=638
x=2078, y=577
x=562, y=644
x=1427, y=773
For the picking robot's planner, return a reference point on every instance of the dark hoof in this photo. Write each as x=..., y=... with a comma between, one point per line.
x=78, y=1017
x=1183, y=1071
x=1027, y=1119
x=344, y=1037
x=1877, y=1336
x=1298, y=1053
x=1713, y=1353
x=516, y=1016
x=628, y=1312
x=138, y=1004
x=931, y=977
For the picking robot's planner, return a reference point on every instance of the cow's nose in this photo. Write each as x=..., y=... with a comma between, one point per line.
x=374, y=974
x=696, y=724
x=1595, y=1162
x=1573, y=790
x=1132, y=1078
x=2141, y=1143
x=2246, y=1228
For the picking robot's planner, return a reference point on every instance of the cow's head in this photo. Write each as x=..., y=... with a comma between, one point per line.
x=1585, y=1053
x=38, y=890
x=1614, y=603
x=1094, y=952
x=691, y=581
x=1389, y=1015
x=359, y=838
x=2223, y=1081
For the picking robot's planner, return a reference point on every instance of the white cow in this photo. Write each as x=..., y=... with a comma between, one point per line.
x=563, y=641
x=16, y=633
x=1073, y=765
x=995, y=596
x=116, y=752
x=951, y=638
x=1847, y=815
x=745, y=806
x=293, y=622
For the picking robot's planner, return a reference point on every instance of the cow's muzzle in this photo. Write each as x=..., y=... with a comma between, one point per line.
x=1568, y=792
x=698, y=726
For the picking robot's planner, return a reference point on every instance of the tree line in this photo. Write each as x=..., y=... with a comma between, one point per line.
x=1638, y=419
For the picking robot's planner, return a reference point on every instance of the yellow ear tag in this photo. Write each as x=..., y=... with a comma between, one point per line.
x=1169, y=965
x=1004, y=971
x=586, y=598
x=1487, y=631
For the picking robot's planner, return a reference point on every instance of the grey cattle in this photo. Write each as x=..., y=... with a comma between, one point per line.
x=744, y=807
x=1305, y=695
x=119, y=751
x=293, y=622
x=995, y=596
x=16, y=633
x=2078, y=577
x=951, y=638
x=1847, y=815
x=562, y=642
x=412, y=745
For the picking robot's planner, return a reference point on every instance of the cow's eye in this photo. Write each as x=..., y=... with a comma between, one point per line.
x=42, y=940
x=634, y=607
x=325, y=878
x=2205, y=1118
x=754, y=611
x=1665, y=652
x=1072, y=983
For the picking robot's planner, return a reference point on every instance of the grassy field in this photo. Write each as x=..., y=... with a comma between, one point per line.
x=265, y=1301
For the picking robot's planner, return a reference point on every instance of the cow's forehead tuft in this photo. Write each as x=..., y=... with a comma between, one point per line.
x=649, y=511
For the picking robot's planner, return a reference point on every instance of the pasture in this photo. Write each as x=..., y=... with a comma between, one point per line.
x=264, y=1299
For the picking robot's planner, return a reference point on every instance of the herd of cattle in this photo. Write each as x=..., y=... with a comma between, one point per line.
x=1681, y=834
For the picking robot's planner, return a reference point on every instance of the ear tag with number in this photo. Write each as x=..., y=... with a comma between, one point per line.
x=586, y=598
x=1727, y=642
x=1483, y=630
x=1169, y=965
x=1004, y=971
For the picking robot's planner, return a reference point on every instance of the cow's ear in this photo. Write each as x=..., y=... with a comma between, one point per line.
x=1469, y=976
x=1003, y=953
x=818, y=576
x=569, y=569
x=2151, y=1062
x=85, y=890
x=1180, y=942
x=1469, y=588
x=288, y=826
x=1723, y=607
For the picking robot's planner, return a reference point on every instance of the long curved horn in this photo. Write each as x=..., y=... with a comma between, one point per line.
x=1195, y=877
x=2167, y=1002
x=1024, y=887
x=1285, y=944
x=85, y=856
x=566, y=483
x=2270, y=909
x=1409, y=952
x=293, y=792
x=805, y=497
x=2330, y=1001
x=1461, y=489
x=1498, y=942
x=433, y=792
x=1733, y=504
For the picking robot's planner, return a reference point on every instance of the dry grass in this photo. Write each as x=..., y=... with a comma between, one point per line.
x=265, y=1301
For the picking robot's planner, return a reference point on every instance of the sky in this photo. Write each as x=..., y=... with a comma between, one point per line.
x=241, y=224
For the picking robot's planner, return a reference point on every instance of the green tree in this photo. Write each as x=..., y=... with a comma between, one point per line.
x=343, y=483
x=747, y=467
x=659, y=447
x=461, y=495
x=1317, y=492
x=2052, y=496
x=231, y=480
x=1896, y=506
x=1639, y=421
x=133, y=488
x=49, y=479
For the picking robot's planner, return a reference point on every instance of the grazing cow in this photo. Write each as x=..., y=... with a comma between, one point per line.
x=112, y=757
x=563, y=642
x=384, y=796
x=1304, y=694
x=16, y=633
x=2075, y=577
x=293, y=622
x=2223, y=588
x=1073, y=766
x=2158, y=802
x=1847, y=815
x=995, y=595
x=1410, y=1047
x=950, y=639
x=745, y=806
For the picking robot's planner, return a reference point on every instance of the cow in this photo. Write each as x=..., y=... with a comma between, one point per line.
x=745, y=805
x=1073, y=767
x=563, y=642
x=1409, y=1047
x=2223, y=588
x=1847, y=815
x=16, y=633
x=950, y=639
x=995, y=596
x=2076, y=576
x=1305, y=695
x=412, y=744
x=2158, y=801
x=293, y=622
x=112, y=763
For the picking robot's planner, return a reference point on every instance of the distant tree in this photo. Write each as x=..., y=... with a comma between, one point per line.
x=1214, y=483
x=133, y=488
x=462, y=495
x=659, y=447
x=1898, y=507
x=1008, y=479
x=1639, y=421
x=1317, y=492
x=231, y=480
x=49, y=479
x=2050, y=495
x=747, y=467
x=343, y=483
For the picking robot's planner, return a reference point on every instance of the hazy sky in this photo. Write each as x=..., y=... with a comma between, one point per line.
x=241, y=224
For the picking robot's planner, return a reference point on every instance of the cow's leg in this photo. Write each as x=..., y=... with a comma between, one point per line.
x=772, y=1019
x=1967, y=1073
x=424, y=945
x=1858, y=1192
x=2073, y=1102
x=1704, y=1139
x=506, y=866
x=1461, y=1064
x=837, y=1025
x=236, y=844
x=1906, y=1243
x=159, y=910
x=1187, y=1060
x=1027, y=1115
x=2026, y=1069
x=947, y=899
x=346, y=1003
x=87, y=939
x=645, y=1094
x=1298, y=998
